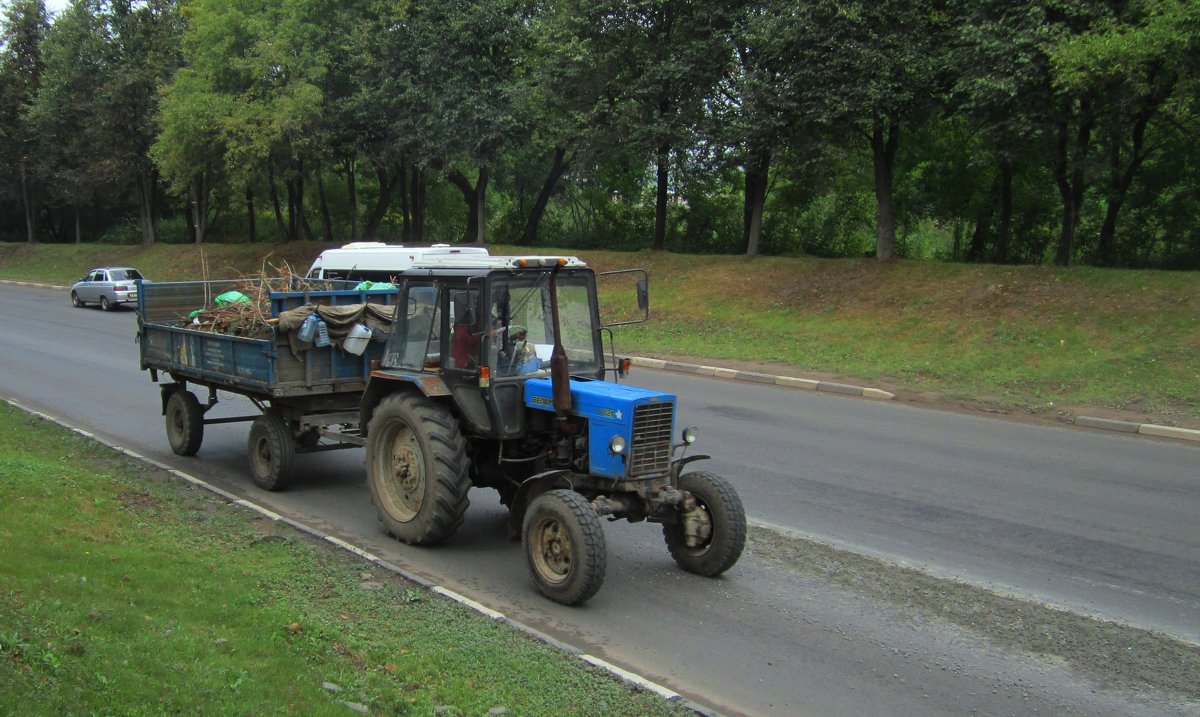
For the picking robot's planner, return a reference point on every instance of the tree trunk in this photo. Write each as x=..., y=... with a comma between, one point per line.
x=283, y=232
x=387, y=184
x=199, y=204
x=420, y=202
x=293, y=229
x=557, y=170
x=78, y=226
x=30, y=213
x=405, y=204
x=1004, y=222
x=660, y=198
x=1120, y=180
x=352, y=194
x=883, y=147
x=250, y=214
x=147, y=213
x=758, y=169
x=326, y=220
x=475, y=197
x=1069, y=176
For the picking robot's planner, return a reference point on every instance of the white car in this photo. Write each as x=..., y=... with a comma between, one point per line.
x=107, y=286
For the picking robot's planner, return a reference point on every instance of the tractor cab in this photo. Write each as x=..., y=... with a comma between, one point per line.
x=478, y=330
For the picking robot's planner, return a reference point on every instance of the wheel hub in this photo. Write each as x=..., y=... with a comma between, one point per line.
x=553, y=558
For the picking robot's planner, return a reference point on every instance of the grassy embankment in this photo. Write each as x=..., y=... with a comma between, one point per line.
x=1035, y=340
x=124, y=592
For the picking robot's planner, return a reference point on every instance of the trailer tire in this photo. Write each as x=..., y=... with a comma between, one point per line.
x=723, y=509
x=271, y=449
x=564, y=546
x=417, y=469
x=185, y=422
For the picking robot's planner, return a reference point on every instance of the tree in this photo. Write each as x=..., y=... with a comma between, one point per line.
x=1003, y=67
x=465, y=73
x=870, y=68
x=659, y=59
x=21, y=66
x=143, y=56
x=1134, y=61
x=73, y=149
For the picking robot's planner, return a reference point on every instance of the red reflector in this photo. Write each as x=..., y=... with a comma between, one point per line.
x=485, y=376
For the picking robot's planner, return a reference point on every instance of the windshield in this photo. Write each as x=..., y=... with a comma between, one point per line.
x=522, y=329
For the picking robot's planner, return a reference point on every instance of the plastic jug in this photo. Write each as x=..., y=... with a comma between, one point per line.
x=309, y=328
x=322, y=339
x=356, y=341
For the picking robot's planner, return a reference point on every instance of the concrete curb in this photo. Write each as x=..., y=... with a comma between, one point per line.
x=1105, y=424
x=765, y=378
x=630, y=678
x=1145, y=429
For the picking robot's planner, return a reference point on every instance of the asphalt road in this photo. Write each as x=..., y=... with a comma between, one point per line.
x=1094, y=521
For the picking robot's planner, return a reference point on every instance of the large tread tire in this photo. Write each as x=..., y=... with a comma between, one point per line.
x=417, y=469
x=185, y=423
x=717, y=498
x=272, y=451
x=565, y=548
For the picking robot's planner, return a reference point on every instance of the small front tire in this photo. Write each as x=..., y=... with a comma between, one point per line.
x=564, y=546
x=185, y=423
x=271, y=449
x=721, y=512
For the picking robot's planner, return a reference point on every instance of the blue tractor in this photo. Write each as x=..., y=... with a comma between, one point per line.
x=494, y=375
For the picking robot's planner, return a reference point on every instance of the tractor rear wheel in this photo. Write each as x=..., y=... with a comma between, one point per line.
x=417, y=469
x=719, y=526
x=564, y=546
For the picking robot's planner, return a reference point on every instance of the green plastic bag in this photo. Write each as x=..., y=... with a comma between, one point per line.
x=231, y=297
x=363, y=286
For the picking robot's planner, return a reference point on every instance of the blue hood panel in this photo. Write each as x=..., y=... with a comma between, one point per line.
x=609, y=409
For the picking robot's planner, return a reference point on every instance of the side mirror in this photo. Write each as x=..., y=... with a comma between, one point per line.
x=643, y=294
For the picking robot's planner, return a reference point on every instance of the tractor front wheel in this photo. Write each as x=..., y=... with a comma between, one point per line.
x=417, y=469
x=564, y=546
x=708, y=539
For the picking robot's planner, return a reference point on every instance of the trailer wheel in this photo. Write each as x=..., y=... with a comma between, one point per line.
x=271, y=449
x=185, y=423
x=564, y=546
x=720, y=523
x=417, y=469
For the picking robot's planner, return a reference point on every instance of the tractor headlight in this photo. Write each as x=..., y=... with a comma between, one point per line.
x=617, y=445
x=690, y=434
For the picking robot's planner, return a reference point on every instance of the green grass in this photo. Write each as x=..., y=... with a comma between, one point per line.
x=1036, y=339
x=123, y=592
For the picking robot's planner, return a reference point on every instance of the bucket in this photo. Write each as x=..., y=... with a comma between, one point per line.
x=356, y=341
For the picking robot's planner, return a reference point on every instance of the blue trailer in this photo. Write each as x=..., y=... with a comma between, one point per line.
x=308, y=395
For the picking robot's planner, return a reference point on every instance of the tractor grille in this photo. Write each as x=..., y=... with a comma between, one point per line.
x=651, y=449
